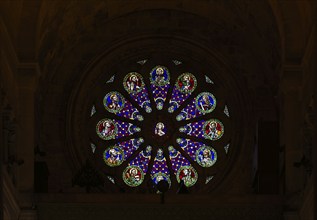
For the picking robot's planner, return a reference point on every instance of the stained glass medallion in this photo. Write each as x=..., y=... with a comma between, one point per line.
x=206, y=156
x=133, y=176
x=150, y=140
x=187, y=174
x=113, y=156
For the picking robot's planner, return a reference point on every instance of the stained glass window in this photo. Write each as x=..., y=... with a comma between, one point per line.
x=160, y=126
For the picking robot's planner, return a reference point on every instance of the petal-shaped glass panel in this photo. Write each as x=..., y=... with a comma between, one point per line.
x=115, y=103
x=177, y=159
x=111, y=129
x=130, y=146
x=189, y=146
x=160, y=83
x=184, y=86
x=204, y=103
x=160, y=169
x=204, y=155
x=212, y=129
x=134, y=85
x=143, y=159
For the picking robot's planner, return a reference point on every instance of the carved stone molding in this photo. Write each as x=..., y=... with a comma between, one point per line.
x=133, y=211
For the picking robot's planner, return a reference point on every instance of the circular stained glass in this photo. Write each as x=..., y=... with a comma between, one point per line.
x=206, y=102
x=113, y=156
x=133, y=176
x=186, y=83
x=114, y=102
x=159, y=76
x=213, y=129
x=147, y=138
x=133, y=82
x=188, y=175
x=206, y=156
x=106, y=129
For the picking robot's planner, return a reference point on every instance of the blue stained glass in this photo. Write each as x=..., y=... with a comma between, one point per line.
x=204, y=103
x=160, y=164
x=204, y=155
x=125, y=128
x=194, y=129
x=134, y=85
x=160, y=84
x=143, y=100
x=177, y=159
x=184, y=86
x=130, y=146
x=212, y=129
x=177, y=99
x=143, y=159
x=132, y=150
x=111, y=129
x=115, y=103
x=159, y=95
x=189, y=146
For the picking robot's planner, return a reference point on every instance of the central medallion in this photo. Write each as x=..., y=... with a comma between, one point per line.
x=160, y=129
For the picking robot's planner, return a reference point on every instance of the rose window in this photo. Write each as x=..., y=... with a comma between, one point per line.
x=150, y=129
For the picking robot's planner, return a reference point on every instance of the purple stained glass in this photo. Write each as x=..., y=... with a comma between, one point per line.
x=212, y=129
x=130, y=146
x=160, y=164
x=177, y=159
x=143, y=159
x=125, y=128
x=115, y=103
x=112, y=129
x=184, y=86
x=159, y=95
x=134, y=85
x=159, y=128
x=204, y=103
x=194, y=129
x=159, y=77
x=177, y=99
x=189, y=146
x=143, y=100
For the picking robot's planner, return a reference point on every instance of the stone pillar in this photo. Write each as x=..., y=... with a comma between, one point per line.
x=1, y=155
x=26, y=137
x=291, y=138
x=314, y=147
x=294, y=176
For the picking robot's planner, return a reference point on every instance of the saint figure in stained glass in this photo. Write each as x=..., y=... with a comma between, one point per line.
x=113, y=156
x=114, y=102
x=106, y=129
x=133, y=176
x=213, y=129
x=187, y=174
x=206, y=156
